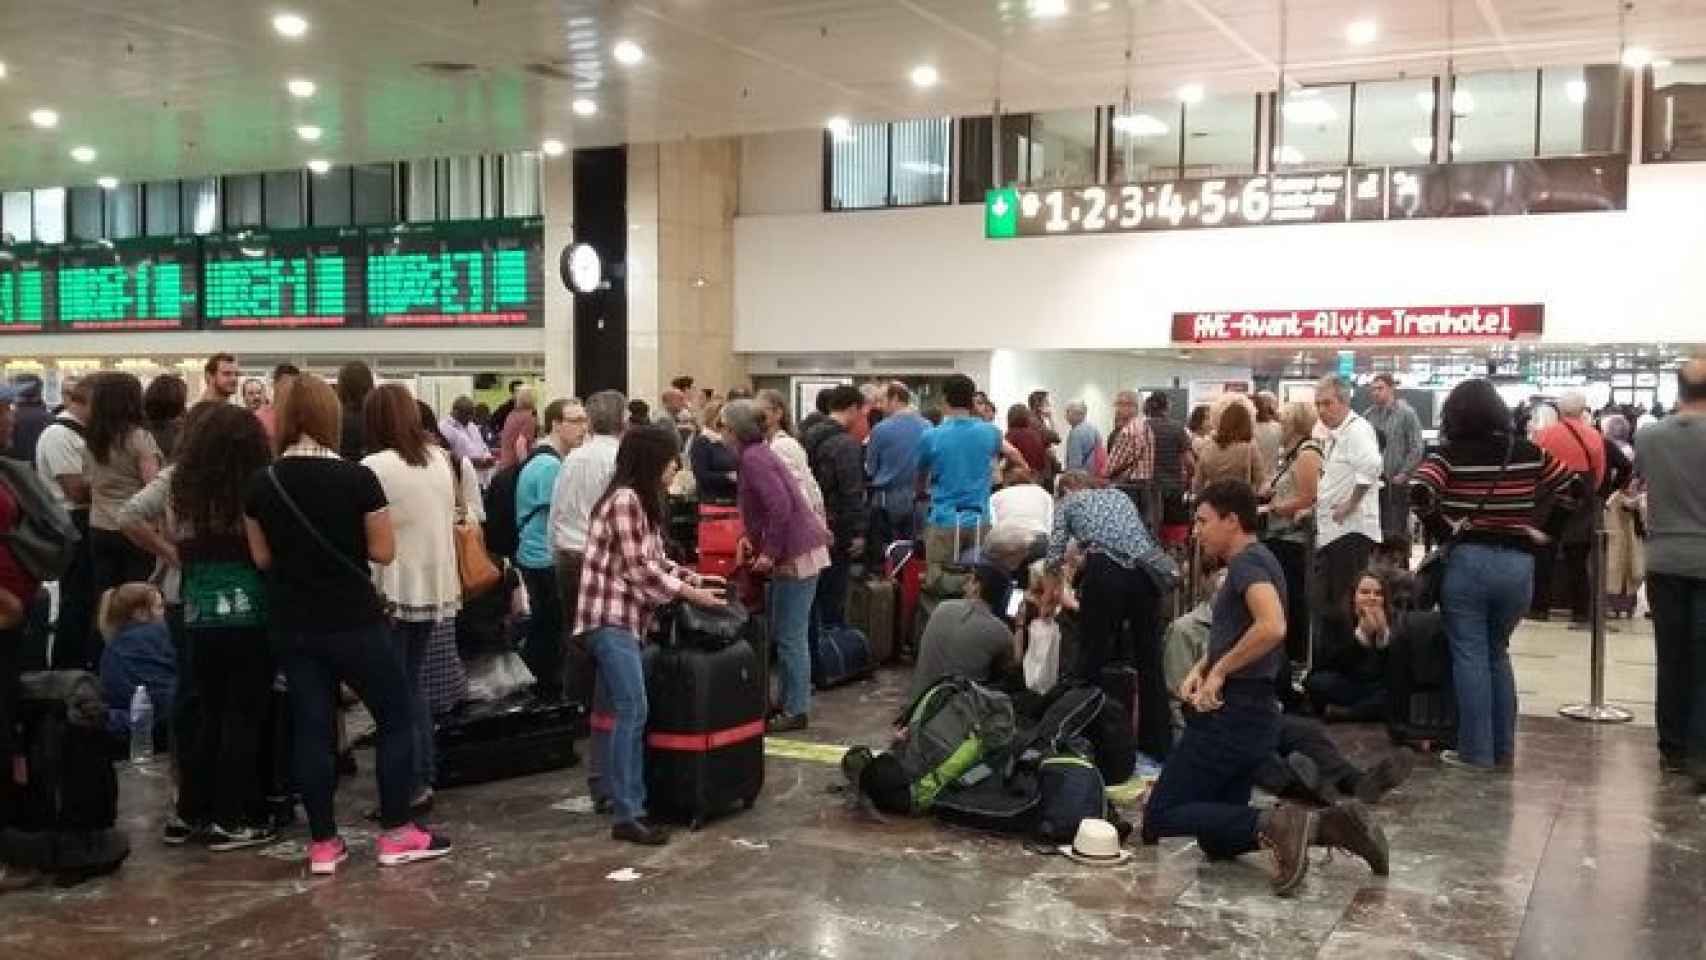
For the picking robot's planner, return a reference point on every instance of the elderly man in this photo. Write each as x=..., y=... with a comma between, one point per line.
x=1083, y=439
x=1347, y=508
x=1602, y=467
x=463, y=435
x=1394, y=420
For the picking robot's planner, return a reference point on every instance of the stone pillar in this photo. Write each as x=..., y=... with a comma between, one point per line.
x=645, y=378
x=557, y=203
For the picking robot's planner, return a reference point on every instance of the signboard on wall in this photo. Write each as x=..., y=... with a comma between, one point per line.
x=1360, y=325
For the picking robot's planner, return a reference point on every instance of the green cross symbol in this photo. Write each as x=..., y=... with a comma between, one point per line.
x=1001, y=214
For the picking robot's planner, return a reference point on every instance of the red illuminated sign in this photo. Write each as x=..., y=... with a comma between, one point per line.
x=1361, y=325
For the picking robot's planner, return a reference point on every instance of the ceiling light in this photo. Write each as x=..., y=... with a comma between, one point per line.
x=1362, y=32
x=1462, y=103
x=627, y=52
x=308, y=132
x=1661, y=63
x=1423, y=145
x=1309, y=110
x=83, y=154
x=2, y=69
x=924, y=76
x=44, y=118
x=107, y=183
x=1139, y=125
x=584, y=107
x=1191, y=93
x=1288, y=154
x=552, y=148
x=1637, y=57
x=319, y=167
x=290, y=26
x=1576, y=91
x=301, y=88
x=1047, y=9
x=840, y=127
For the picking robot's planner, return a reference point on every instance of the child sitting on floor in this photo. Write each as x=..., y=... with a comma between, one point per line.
x=139, y=653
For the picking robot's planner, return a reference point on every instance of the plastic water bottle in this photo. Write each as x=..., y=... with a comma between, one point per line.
x=141, y=726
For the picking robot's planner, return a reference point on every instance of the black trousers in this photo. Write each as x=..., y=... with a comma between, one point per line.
x=1305, y=736
x=543, y=651
x=11, y=641
x=1679, y=637
x=76, y=646
x=1572, y=577
x=1119, y=623
x=233, y=675
x=1338, y=565
x=116, y=561
x=1294, y=561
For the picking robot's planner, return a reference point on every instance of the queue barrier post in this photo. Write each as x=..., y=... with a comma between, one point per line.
x=1596, y=710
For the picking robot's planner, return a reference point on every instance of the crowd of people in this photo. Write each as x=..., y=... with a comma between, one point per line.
x=294, y=535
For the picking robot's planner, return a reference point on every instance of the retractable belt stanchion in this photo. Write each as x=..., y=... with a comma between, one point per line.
x=1596, y=710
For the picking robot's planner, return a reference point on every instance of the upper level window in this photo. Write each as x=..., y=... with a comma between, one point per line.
x=1038, y=149
x=1493, y=115
x=1314, y=128
x=1579, y=110
x=1220, y=136
x=1145, y=141
x=1394, y=122
x=1676, y=112
x=900, y=164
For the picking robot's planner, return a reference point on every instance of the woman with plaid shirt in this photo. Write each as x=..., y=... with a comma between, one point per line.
x=626, y=577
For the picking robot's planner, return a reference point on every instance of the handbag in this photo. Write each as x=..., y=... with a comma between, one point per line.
x=1430, y=574
x=383, y=605
x=474, y=566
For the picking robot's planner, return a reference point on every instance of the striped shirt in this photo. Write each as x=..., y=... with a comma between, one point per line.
x=1453, y=480
x=626, y=576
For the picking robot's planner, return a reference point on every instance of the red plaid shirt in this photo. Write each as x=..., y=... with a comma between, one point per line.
x=626, y=576
x=1131, y=455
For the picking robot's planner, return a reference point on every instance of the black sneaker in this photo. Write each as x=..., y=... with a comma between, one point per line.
x=1386, y=776
x=787, y=723
x=176, y=832
x=220, y=840
x=640, y=832
x=1350, y=827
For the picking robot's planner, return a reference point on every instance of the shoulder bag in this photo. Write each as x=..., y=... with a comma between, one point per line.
x=1430, y=575
x=474, y=566
x=382, y=604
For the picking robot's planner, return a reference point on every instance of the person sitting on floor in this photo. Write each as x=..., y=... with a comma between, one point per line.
x=1349, y=679
x=966, y=638
x=138, y=653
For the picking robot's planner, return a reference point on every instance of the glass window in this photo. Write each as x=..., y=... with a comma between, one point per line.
x=123, y=203
x=160, y=203
x=284, y=199
x=243, y=201
x=16, y=216
x=1579, y=109
x=330, y=192
x=1394, y=122
x=464, y=192
x=920, y=161
x=1220, y=136
x=49, y=214
x=200, y=206
x=1058, y=149
x=85, y=203
x=376, y=193
x=1676, y=112
x=421, y=204
x=977, y=160
x=1493, y=115
x=1314, y=128
x=521, y=184
x=1145, y=144
x=859, y=167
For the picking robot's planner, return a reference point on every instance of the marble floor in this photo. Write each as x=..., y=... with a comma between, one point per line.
x=1585, y=851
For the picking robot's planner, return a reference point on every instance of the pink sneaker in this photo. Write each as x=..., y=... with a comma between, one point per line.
x=325, y=855
x=410, y=843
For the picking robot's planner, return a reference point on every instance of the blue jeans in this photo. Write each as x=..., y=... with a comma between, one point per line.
x=1204, y=790
x=1485, y=593
x=411, y=637
x=790, y=629
x=622, y=684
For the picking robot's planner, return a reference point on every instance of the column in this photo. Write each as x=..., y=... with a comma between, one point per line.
x=557, y=203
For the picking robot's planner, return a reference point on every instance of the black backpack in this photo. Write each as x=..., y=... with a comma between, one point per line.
x=502, y=527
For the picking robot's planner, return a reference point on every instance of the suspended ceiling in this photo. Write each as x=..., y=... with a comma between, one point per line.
x=163, y=88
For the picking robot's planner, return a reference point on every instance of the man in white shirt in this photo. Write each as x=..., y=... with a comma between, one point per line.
x=463, y=435
x=59, y=462
x=1347, y=506
x=585, y=474
x=1022, y=502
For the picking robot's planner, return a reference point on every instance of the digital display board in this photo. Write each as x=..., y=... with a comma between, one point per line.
x=457, y=274
x=27, y=288
x=1360, y=325
x=283, y=279
x=128, y=284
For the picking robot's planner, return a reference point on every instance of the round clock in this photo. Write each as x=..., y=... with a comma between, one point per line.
x=583, y=271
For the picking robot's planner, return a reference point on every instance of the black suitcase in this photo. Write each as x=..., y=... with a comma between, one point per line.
x=1421, y=701
x=705, y=731
x=514, y=737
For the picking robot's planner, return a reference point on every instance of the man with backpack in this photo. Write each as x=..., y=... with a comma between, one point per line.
x=535, y=479
x=59, y=463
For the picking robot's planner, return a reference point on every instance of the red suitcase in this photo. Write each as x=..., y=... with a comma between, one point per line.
x=719, y=531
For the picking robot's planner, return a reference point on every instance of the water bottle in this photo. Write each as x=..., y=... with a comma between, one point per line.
x=141, y=726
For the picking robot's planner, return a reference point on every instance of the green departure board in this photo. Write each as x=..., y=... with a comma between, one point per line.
x=295, y=278
x=458, y=274
x=26, y=288
x=129, y=284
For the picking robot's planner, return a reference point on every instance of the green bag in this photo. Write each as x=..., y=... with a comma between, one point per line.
x=223, y=594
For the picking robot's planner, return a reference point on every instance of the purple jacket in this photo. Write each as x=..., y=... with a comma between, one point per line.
x=778, y=521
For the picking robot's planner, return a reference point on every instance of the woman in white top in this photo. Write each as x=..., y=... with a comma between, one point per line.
x=1022, y=502
x=782, y=443
x=422, y=581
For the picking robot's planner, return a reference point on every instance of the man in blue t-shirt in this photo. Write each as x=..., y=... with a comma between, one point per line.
x=958, y=458
x=565, y=428
x=891, y=463
x=1232, y=718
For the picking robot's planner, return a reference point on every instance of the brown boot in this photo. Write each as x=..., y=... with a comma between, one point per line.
x=1351, y=827
x=1287, y=832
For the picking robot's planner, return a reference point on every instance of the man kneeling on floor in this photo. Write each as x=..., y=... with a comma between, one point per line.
x=967, y=638
x=1232, y=718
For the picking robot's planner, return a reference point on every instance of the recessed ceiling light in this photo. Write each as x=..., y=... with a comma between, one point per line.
x=319, y=167
x=290, y=26
x=308, y=132
x=1637, y=57
x=839, y=127
x=1361, y=32
x=301, y=88
x=584, y=107
x=552, y=148
x=1462, y=103
x=924, y=76
x=1045, y=9
x=627, y=52
x=1191, y=93
x=44, y=118
x=1576, y=91
x=1139, y=125
x=107, y=183
x=83, y=154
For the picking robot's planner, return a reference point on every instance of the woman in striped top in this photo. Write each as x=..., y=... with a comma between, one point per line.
x=1487, y=487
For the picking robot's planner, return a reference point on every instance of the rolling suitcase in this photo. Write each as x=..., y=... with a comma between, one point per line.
x=903, y=563
x=514, y=737
x=840, y=655
x=705, y=732
x=872, y=606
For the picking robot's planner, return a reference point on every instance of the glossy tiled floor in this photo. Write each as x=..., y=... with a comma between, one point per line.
x=1584, y=851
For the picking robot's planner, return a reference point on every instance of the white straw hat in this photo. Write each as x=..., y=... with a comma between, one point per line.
x=1098, y=844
